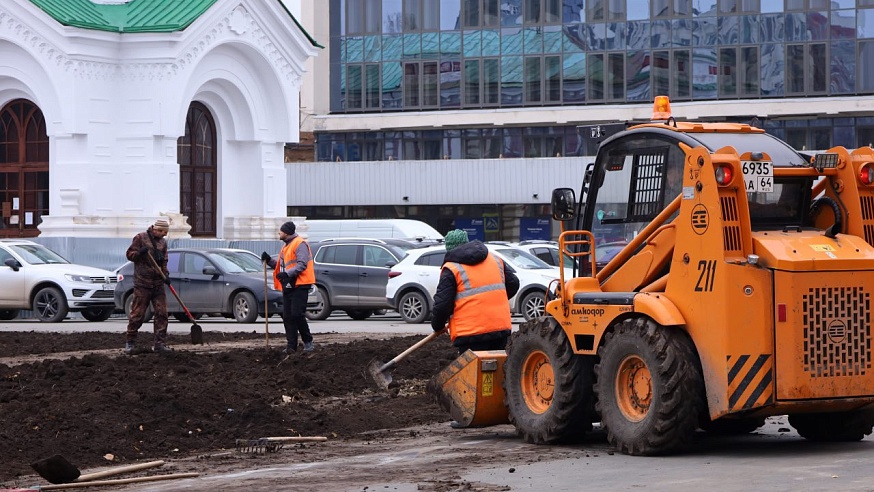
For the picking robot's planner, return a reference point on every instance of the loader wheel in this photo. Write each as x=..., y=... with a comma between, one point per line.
x=548, y=389
x=649, y=388
x=834, y=427
x=731, y=427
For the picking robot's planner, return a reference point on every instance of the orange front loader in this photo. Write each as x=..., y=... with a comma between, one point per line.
x=743, y=291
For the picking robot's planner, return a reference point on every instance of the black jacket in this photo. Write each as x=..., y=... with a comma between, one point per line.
x=471, y=253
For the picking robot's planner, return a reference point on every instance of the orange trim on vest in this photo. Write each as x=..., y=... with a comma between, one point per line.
x=288, y=257
x=480, y=299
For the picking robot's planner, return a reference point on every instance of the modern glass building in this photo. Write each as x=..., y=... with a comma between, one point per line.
x=470, y=79
x=469, y=111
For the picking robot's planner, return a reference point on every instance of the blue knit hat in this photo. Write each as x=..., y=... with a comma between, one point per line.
x=454, y=239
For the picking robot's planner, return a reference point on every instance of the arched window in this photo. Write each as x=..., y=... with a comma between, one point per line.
x=24, y=169
x=196, y=153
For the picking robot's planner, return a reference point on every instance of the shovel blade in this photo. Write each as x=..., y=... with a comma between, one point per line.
x=196, y=334
x=56, y=469
x=379, y=374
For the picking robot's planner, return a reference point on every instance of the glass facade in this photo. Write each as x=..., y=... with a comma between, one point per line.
x=425, y=55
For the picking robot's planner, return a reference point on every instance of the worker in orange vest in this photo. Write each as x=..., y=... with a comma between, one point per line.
x=293, y=274
x=472, y=295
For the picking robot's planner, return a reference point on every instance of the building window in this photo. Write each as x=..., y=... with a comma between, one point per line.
x=806, y=67
x=532, y=79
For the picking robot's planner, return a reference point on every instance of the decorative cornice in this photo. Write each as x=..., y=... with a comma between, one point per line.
x=237, y=24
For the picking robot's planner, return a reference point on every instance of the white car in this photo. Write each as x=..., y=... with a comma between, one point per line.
x=412, y=283
x=35, y=277
x=548, y=252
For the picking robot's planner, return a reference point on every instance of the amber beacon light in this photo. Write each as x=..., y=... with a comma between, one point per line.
x=661, y=108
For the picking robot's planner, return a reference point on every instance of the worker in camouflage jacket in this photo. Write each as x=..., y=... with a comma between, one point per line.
x=149, y=284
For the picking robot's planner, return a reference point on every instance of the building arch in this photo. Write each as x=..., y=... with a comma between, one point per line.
x=252, y=115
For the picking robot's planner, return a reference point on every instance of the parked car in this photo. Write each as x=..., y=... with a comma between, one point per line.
x=548, y=252
x=36, y=278
x=226, y=282
x=351, y=274
x=412, y=283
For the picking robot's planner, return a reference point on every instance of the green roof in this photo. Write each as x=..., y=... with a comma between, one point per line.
x=134, y=16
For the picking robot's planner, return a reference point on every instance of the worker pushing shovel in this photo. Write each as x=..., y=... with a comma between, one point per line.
x=148, y=252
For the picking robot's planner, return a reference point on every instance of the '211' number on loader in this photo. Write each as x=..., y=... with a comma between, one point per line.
x=706, y=274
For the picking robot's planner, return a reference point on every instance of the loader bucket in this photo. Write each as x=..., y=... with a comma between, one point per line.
x=471, y=389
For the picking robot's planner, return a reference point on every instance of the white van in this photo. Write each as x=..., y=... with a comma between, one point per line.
x=318, y=230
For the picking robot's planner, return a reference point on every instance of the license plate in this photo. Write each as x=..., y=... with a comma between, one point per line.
x=758, y=176
x=108, y=286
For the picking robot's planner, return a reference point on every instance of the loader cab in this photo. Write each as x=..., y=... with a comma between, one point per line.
x=638, y=172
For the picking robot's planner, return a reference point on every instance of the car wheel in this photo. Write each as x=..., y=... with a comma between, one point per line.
x=532, y=305
x=359, y=314
x=97, y=314
x=322, y=309
x=413, y=307
x=128, y=302
x=7, y=314
x=49, y=305
x=244, y=307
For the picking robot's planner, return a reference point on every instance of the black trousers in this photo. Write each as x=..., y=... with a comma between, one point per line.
x=494, y=341
x=294, y=306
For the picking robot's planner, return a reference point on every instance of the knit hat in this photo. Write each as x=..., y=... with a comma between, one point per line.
x=288, y=228
x=454, y=239
x=161, y=224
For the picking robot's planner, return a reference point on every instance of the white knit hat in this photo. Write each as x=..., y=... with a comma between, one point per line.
x=161, y=224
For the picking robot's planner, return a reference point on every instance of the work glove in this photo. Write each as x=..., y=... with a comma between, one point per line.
x=292, y=279
x=143, y=251
x=167, y=280
x=282, y=277
x=265, y=257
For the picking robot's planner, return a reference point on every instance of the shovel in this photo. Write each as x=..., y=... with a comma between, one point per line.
x=381, y=373
x=58, y=470
x=266, y=311
x=196, y=330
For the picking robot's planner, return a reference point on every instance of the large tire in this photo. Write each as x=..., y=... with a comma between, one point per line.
x=547, y=388
x=128, y=302
x=322, y=309
x=97, y=314
x=731, y=427
x=650, y=391
x=359, y=314
x=8, y=314
x=413, y=307
x=50, y=305
x=532, y=305
x=834, y=427
x=244, y=307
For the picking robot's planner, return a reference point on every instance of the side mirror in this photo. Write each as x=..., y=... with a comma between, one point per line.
x=12, y=263
x=563, y=204
x=391, y=263
x=210, y=270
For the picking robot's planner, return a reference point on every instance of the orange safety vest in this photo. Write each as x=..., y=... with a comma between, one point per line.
x=480, y=298
x=288, y=259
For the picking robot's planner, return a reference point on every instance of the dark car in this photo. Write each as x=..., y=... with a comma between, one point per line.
x=227, y=282
x=351, y=274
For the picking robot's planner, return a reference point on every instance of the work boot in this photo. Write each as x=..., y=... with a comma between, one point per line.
x=308, y=347
x=289, y=350
x=128, y=348
x=160, y=348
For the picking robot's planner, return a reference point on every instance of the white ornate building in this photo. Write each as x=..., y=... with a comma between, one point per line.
x=114, y=112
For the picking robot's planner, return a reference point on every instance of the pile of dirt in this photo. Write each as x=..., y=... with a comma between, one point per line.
x=84, y=401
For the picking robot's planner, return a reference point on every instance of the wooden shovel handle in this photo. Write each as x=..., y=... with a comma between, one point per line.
x=403, y=355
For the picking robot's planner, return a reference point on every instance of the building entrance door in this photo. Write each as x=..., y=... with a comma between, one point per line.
x=24, y=169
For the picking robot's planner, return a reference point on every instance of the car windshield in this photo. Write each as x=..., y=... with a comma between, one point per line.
x=523, y=259
x=37, y=254
x=236, y=261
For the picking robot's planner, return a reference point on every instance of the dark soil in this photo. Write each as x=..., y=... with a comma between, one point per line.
x=82, y=399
